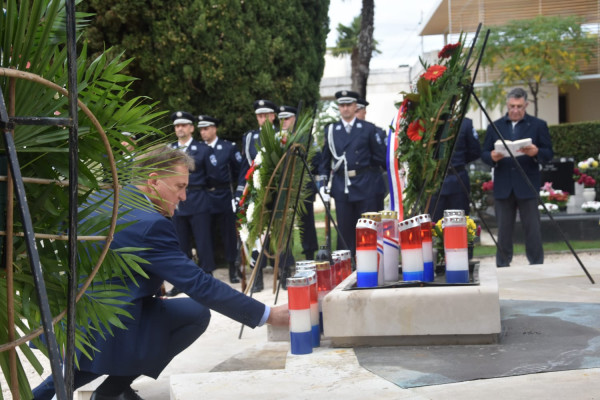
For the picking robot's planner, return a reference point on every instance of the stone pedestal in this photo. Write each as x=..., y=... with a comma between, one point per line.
x=414, y=315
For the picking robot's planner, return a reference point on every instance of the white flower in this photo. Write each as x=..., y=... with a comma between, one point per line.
x=250, y=212
x=583, y=164
x=550, y=206
x=591, y=206
x=256, y=179
x=258, y=158
x=244, y=233
x=544, y=193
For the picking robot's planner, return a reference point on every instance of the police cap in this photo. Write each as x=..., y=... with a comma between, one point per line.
x=346, y=97
x=182, y=117
x=205, y=120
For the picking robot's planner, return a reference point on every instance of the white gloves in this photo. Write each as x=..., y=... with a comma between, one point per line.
x=324, y=194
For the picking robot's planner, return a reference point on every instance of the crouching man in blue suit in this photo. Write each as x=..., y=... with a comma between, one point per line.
x=160, y=328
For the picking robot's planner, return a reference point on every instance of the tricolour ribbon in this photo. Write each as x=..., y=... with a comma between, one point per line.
x=393, y=174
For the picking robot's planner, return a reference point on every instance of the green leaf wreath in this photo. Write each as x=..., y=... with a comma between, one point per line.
x=429, y=123
x=274, y=162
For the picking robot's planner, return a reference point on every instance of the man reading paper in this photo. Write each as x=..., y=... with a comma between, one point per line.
x=511, y=191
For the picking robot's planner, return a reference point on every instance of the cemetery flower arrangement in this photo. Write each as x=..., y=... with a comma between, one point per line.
x=591, y=206
x=478, y=179
x=427, y=122
x=257, y=203
x=552, y=196
x=583, y=179
x=473, y=230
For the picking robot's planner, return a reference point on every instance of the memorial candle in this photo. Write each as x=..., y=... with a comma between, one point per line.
x=427, y=246
x=314, y=304
x=391, y=245
x=411, y=250
x=299, y=308
x=366, y=253
x=456, y=249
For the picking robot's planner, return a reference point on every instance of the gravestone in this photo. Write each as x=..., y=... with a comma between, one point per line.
x=560, y=173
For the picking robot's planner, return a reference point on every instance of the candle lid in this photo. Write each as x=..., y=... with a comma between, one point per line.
x=424, y=218
x=306, y=267
x=449, y=213
x=374, y=216
x=366, y=223
x=388, y=214
x=454, y=221
x=311, y=275
x=323, y=265
x=408, y=224
x=297, y=281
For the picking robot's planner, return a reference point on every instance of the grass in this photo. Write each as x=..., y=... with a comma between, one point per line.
x=478, y=251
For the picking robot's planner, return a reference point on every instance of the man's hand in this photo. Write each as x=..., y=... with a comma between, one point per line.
x=496, y=156
x=234, y=205
x=279, y=316
x=530, y=150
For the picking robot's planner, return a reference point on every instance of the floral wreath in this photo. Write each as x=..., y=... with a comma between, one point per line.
x=263, y=178
x=428, y=122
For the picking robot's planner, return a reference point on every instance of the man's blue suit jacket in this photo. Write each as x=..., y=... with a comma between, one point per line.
x=141, y=349
x=507, y=177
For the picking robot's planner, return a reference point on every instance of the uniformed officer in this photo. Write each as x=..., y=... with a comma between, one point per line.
x=308, y=233
x=354, y=157
x=192, y=217
x=223, y=170
x=453, y=194
x=361, y=113
x=265, y=113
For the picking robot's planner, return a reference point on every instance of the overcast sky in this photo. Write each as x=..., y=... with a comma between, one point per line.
x=397, y=26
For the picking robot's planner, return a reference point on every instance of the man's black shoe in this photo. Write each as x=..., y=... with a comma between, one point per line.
x=233, y=278
x=128, y=394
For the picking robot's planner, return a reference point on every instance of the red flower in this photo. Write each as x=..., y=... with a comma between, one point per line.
x=487, y=186
x=448, y=50
x=434, y=72
x=250, y=171
x=414, y=131
x=404, y=107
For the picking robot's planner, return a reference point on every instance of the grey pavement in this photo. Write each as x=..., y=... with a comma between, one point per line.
x=219, y=365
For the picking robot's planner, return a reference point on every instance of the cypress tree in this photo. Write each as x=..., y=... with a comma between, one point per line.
x=217, y=57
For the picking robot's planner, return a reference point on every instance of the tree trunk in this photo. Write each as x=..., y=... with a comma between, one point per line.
x=365, y=49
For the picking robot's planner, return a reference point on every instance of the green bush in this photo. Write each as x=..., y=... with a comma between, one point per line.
x=579, y=140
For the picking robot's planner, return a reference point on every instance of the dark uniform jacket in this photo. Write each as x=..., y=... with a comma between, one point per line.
x=250, y=142
x=197, y=200
x=141, y=348
x=365, y=158
x=467, y=149
x=507, y=177
x=223, y=167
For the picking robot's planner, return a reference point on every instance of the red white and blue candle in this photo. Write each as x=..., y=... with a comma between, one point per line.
x=298, y=289
x=314, y=305
x=367, y=262
x=391, y=245
x=456, y=249
x=411, y=249
x=427, y=246
x=324, y=286
x=375, y=216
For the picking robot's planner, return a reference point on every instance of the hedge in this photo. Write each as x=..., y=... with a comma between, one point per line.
x=579, y=140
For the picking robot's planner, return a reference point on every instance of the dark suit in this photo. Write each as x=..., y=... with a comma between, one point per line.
x=223, y=169
x=511, y=190
x=160, y=328
x=308, y=232
x=452, y=195
x=192, y=217
x=364, y=159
